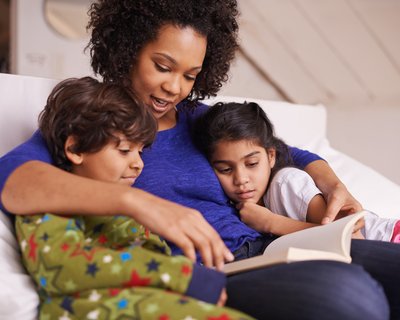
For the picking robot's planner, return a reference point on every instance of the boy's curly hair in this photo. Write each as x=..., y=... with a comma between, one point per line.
x=93, y=113
x=120, y=29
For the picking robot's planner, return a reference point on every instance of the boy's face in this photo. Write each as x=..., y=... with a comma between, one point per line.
x=120, y=163
x=243, y=169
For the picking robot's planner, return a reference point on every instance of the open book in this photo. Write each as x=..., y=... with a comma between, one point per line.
x=326, y=242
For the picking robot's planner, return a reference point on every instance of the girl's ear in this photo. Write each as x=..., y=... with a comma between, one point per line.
x=75, y=158
x=271, y=154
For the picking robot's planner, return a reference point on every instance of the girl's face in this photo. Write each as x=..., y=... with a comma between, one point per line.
x=120, y=163
x=243, y=169
x=166, y=69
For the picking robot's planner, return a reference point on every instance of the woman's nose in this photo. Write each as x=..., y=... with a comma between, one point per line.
x=173, y=85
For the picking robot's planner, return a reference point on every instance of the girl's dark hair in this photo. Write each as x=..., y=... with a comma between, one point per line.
x=239, y=121
x=92, y=112
x=120, y=29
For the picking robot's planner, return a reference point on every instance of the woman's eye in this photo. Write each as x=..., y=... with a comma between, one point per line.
x=190, y=77
x=161, y=68
x=124, y=151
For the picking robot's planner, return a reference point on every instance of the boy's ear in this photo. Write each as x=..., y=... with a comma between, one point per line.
x=75, y=158
x=271, y=153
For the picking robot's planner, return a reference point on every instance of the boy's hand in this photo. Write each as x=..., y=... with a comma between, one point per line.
x=222, y=299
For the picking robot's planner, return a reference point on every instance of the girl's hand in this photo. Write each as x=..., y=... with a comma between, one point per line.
x=255, y=216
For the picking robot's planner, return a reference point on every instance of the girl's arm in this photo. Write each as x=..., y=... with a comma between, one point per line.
x=36, y=187
x=264, y=221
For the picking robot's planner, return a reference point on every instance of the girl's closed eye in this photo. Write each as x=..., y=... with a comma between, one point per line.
x=252, y=164
x=223, y=170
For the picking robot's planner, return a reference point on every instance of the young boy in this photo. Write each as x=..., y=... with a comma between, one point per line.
x=105, y=267
x=256, y=172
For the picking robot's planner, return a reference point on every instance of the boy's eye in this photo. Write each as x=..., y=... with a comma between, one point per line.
x=124, y=151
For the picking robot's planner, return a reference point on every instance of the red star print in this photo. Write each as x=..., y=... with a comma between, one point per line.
x=113, y=292
x=103, y=239
x=136, y=280
x=186, y=270
x=65, y=247
x=32, y=246
x=163, y=317
x=88, y=254
x=221, y=317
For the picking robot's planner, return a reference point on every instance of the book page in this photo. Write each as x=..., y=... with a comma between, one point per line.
x=325, y=242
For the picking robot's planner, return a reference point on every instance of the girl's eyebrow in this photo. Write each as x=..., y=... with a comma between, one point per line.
x=173, y=61
x=244, y=157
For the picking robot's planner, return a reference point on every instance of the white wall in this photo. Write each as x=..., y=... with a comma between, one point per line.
x=38, y=50
x=344, y=54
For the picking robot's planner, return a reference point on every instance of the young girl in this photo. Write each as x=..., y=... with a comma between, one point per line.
x=102, y=267
x=256, y=172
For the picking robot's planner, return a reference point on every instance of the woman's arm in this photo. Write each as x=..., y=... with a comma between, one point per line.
x=337, y=196
x=37, y=187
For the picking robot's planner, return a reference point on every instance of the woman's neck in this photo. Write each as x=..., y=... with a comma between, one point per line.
x=168, y=121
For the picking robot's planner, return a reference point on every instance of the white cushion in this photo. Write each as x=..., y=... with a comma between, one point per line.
x=18, y=297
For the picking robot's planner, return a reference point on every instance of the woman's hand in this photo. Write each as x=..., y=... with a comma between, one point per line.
x=340, y=203
x=339, y=200
x=181, y=225
x=64, y=193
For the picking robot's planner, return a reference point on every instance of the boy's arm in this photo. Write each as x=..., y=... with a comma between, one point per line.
x=62, y=260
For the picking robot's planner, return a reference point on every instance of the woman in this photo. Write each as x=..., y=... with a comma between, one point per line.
x=171, y=53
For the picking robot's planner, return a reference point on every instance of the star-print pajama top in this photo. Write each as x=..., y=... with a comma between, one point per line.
x=112, y=267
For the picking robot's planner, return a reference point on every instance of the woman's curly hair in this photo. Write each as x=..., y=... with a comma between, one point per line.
x=121, y=28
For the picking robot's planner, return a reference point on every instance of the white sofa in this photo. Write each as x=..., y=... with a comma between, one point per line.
x=22, y=98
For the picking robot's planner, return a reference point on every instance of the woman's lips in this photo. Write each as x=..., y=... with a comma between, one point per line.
x=160, y=105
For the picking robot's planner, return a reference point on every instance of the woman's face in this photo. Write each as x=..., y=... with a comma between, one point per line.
x=166, y=69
